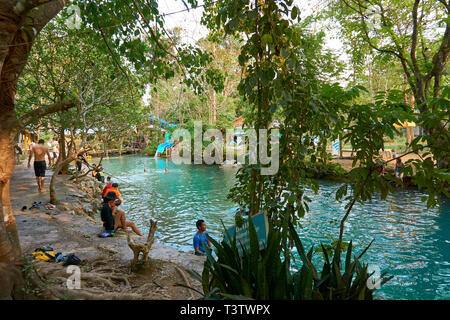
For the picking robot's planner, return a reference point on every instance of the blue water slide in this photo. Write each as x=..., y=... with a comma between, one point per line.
x=166, y=145
x=152, y=119
x=163, y=146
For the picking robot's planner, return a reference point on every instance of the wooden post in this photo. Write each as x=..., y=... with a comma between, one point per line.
x=145, y=247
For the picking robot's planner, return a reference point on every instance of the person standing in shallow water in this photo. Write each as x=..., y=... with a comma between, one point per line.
x=39, y=151
x=200, y=239
x=398, y=169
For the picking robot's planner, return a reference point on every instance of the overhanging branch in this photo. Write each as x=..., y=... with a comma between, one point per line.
x=38, y=113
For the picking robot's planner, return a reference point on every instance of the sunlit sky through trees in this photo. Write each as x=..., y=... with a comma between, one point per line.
x=193, y=30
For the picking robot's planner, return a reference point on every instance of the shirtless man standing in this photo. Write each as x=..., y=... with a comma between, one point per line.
x=39, y=151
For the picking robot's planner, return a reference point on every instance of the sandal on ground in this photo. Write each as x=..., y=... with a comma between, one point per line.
x=106, y=235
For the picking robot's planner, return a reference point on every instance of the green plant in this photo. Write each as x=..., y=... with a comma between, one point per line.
x=320, y=169
x=255, y=275
x=329, y=248
x=155, y=140
x=265, y=274
x=334, y=282
x=66, y=295
x=28, y=269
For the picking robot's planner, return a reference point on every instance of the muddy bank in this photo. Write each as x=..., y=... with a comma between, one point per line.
x=73, y=226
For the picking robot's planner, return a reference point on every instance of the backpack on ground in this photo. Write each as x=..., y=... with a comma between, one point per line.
x=44, y=253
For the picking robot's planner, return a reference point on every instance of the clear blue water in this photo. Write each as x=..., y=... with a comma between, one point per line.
x=411, y=242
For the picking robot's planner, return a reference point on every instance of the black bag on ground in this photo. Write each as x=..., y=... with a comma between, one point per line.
x=72, y=259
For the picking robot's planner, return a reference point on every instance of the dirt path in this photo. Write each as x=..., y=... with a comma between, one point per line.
x=67, y=232
x=346, y=162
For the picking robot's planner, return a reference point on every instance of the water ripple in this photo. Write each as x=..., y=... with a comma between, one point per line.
x=411, y=242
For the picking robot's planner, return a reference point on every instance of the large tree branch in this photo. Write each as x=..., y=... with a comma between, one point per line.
x=440, y=59
x=41, y=14
x=15, y=47
x=117, y=63
x=38, y=113
x=400, y=49
x=367, y=36
x=446, y=5
x=414, y=40
x=155, y=38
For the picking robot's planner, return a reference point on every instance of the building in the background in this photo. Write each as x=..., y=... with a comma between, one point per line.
x=25, y=139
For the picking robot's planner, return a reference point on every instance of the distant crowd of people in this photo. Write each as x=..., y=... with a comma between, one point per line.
x=111, y=213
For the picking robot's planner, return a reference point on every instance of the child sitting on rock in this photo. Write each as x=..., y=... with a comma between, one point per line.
x=106, y=214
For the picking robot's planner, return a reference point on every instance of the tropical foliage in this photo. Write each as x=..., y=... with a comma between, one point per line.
x=260, y=61
x=266, y=274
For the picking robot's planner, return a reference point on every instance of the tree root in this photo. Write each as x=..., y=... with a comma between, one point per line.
x=144, y=288
x=11, y=281
x=91, y=294
x=120, y=278
x=104, y=279
x=185, y=280
x=96, y=278
x=99, y=263
x=109, y=269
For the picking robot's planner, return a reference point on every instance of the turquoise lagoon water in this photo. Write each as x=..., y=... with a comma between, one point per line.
x=411, y=242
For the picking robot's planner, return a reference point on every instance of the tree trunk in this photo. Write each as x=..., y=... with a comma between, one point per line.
x=214, y=108
x=120, y=145
x=105, y=149
x=63, y=163
x=7, y=134
x=62, y=151
x=409, y=136
x=20, y=23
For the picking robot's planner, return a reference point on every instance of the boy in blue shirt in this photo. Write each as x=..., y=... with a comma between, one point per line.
x=200, y=238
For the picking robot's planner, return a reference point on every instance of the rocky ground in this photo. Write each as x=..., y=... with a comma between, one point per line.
x=73, y=226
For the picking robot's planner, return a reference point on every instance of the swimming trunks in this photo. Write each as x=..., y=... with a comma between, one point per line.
x=39, y=168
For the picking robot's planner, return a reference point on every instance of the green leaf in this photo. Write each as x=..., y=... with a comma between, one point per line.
x=266, y=39
x=294, y=12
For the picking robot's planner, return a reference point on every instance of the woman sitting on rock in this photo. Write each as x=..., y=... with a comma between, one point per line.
x=120, y=221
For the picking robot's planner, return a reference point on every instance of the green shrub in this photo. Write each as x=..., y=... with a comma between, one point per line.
x=319, y=170
x=156, y=138
x=265, y=274
x=150, y=149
